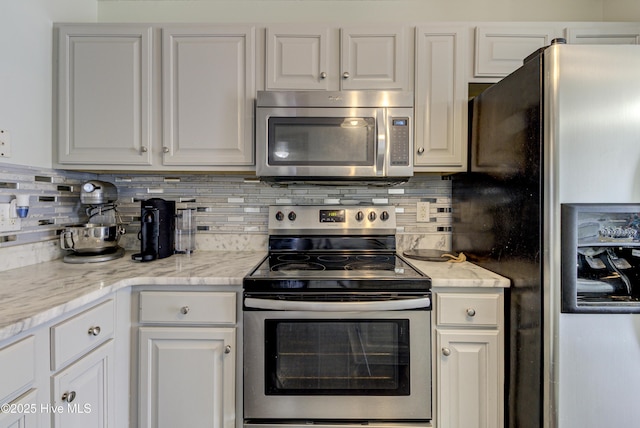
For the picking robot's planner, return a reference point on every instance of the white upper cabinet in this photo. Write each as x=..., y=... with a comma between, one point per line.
x=297, y=58
x=501, y=49
x=322, y=58
x=104, y=95
x=374, y=58
x=208, y=90
x=441, y=99
x=147, y=98
x=604, y=34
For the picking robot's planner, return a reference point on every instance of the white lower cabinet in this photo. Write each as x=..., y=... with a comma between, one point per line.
x=187, y=377
x=17, y=370
x=82, y=393
x=21, y=412
x=469, y=359
x=469, y=376
x=187, y=359
x=82, y=358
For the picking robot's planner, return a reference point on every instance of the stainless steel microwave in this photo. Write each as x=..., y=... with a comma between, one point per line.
x=304, y=136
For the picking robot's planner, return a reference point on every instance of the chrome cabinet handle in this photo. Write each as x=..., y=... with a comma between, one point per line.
x=421, y=150
x=315, y=306
x=165, y=149
x=69, y=396
x=184, y=310
x=227, y=349
x=144, y=149
x=471, y=312
x=345, y=75
x=94, y=331
x=446, y=352
x=323, y=75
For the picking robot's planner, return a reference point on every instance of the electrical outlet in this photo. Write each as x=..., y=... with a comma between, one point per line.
x=7, y=222
x=422, y=212
x=5, y=144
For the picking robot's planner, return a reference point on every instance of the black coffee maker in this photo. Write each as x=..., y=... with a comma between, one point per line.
x=157, y=228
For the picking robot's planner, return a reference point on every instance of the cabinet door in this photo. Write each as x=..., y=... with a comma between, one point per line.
x=83, y=392
x=441, y=99
x=22, y=412
x=187, y=377
x=501, y=50
x=208, y=90
x=627, y=35
x=470, y=382
x=374, y=58
x=104, y=95
x=17, y=367
x=297, y=58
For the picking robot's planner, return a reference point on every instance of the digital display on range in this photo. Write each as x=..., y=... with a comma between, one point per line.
x=332, y=216
x=399, y=122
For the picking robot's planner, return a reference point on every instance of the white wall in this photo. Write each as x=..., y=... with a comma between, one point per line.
x=621, y=10
x=355, y=10
x=26, y=69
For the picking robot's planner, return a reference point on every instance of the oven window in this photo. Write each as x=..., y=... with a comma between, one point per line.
x=337, y=357
x=331, y=141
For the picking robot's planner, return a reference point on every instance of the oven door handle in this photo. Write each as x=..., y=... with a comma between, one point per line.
x=315, y=306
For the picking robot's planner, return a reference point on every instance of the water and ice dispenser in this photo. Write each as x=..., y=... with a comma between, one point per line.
x=601, y=258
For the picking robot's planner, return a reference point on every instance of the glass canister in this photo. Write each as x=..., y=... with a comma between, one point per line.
x=185, y=231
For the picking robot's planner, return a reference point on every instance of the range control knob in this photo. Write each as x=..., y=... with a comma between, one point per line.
x=372, y=216
x=279, y=216
x=292, y=216
x=384, y=216
x=359, y=216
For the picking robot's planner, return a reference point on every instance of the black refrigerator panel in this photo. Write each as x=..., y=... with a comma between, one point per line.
x=497, y=223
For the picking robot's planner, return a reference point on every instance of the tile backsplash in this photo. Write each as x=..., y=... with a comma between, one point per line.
x=230, y=210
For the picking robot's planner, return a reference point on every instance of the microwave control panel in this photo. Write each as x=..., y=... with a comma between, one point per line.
x=399, y=140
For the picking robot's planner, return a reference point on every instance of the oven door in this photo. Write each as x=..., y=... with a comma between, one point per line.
x=337, y=361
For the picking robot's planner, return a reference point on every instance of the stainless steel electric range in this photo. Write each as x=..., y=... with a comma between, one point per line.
x=337, y=326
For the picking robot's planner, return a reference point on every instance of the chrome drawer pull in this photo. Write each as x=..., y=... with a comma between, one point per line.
x=94, y=331
x=471, y=312
x=446, y=352
x=184, y=310
x=227, y=349
x=69, y=396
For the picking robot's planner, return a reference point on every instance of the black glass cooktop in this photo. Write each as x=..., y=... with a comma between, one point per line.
x=335, y=270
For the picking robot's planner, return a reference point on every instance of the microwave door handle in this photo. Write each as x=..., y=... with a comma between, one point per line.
x=315, y=306
x=381, y=149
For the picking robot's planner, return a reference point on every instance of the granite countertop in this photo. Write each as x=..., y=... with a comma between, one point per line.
x=465, y=274
x=38, y=293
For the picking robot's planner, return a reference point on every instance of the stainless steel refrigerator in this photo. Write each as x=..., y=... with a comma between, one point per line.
x=564, y=128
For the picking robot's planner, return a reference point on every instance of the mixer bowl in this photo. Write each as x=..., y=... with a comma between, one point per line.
x=91, y=238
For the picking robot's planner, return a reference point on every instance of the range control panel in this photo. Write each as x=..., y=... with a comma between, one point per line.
x=374, y=219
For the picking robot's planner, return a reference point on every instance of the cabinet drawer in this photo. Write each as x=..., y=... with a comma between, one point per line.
x=17, y=366
x=469, y=309
x=74, y=337
x=187, y=307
